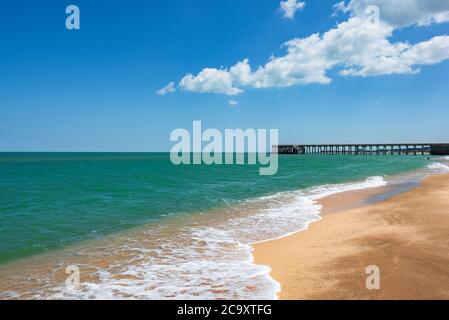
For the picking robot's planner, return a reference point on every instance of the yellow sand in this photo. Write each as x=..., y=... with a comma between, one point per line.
x=407, y=237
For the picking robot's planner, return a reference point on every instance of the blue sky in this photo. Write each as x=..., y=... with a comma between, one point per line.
x=94, y=89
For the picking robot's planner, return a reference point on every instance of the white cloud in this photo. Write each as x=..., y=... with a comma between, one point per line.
x=210, y=80
x=241, y=72
x=401, y=13
x=233, y=102
x=289, y=7
x=170, y=88
x=404, y=58
x=359, y=46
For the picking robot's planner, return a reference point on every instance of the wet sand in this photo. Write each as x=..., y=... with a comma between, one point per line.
x=407, y=237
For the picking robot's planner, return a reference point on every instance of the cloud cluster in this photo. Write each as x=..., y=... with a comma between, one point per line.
x=210, y=80
x=359, y=46
x=289, y=7
x=401, y=13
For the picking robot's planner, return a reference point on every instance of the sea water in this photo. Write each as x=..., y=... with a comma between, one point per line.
x=143, y=228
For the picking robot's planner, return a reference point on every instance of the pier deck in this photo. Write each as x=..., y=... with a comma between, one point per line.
x=366, y=149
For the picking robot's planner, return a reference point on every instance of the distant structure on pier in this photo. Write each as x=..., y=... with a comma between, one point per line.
x=440, y=149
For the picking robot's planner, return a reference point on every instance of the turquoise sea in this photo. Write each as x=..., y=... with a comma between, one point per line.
x=50, y=200
x=54, y=201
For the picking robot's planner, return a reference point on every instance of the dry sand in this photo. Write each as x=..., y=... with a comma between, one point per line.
x=407, y=237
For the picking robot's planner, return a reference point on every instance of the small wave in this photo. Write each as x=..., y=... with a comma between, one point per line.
x=330, y=189
x=438, y=167
x=327, y=190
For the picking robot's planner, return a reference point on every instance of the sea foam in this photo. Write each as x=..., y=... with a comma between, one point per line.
x=210, y=261
x=438, y=167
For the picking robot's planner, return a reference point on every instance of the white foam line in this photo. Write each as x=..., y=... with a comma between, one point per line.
x=439, y=167
x=276, y=283
x=286, y=234
x=336, y=188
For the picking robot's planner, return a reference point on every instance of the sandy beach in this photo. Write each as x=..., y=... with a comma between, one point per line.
x=407, y=237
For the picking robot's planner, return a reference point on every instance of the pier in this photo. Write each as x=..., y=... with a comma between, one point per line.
x=366, y=149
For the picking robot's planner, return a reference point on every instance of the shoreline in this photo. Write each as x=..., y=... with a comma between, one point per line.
x=329, y=258
x=95, y=260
